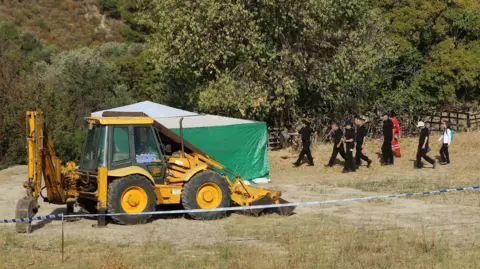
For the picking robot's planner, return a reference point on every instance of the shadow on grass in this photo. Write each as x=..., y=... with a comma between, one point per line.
x=166, y=208
x=38, y=225
x=339, y=162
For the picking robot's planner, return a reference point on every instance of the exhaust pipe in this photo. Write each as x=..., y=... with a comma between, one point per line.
x=181, y=137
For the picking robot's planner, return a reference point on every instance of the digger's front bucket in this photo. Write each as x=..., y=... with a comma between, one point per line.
x=285, y=210
x=266, y=200
x=243, y=194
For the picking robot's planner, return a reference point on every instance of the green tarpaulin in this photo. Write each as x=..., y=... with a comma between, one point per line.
x=240, y=147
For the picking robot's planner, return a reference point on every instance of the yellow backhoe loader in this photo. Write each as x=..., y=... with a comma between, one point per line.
x=131, y=163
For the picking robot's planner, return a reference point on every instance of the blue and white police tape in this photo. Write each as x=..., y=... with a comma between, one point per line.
x=48, y=217
x=243, y=208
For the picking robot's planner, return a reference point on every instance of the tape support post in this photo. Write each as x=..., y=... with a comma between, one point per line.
x=241, y=208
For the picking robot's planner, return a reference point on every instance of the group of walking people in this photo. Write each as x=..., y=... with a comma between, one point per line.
x=351, y=138
x=345, y=143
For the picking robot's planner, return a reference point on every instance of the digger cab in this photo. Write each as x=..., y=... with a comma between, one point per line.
x=123, y=169
x=122, y=143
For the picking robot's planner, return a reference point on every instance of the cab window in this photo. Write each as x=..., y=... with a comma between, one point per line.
x=146, y=149
x=121, y=147
x=93, y=154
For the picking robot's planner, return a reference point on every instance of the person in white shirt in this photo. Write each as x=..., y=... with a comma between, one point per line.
x=446, y=139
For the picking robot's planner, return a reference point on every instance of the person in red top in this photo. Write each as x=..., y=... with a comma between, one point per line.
x=396, y=128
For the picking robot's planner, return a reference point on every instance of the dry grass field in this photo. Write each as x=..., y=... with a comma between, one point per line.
x=439, y=231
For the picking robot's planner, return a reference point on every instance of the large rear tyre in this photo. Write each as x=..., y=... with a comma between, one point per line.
x=131, y=194
x=206, y=190
x=26, y=208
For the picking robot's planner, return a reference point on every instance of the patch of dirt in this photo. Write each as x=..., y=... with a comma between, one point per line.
x=454, y=222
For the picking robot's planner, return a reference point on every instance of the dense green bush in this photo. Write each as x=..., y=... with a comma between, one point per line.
x=77, y=83
x=67, y=85
x=110, y=8
x=19, y=50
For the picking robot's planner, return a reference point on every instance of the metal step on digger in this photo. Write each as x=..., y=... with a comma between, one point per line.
x=130, y=164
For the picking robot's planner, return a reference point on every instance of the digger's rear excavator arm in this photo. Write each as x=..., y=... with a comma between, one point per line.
x=43, y=163
x=44, y=168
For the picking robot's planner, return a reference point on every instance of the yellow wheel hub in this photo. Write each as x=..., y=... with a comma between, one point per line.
x=134, y=199
x=209, y=195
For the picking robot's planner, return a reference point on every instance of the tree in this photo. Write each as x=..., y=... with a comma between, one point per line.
x=75, y=84
x=133, y=31
x=437, y=43
x=268, y=59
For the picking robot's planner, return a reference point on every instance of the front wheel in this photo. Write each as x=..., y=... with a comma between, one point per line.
x=131, y=194
x=206, y=190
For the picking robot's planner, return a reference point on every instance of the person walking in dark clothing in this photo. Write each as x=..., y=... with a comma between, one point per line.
x=337, y=144
x=349, y=141
x=446, y=139
x=305, y=133
x=423, y=146
x=361, y=139
x=388, y=135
